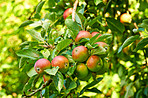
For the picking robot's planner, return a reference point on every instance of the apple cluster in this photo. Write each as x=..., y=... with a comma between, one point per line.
x=86, y=64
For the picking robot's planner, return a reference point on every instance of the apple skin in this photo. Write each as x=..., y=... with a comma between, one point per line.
x=62, y=62
x=94, y=63
x=94, y=33
x=102, y=44
x=46, y=78
x=41, y=65
x=81, y=70
x=67, y=12
x=80, y=54
x=125, y=18
x=87, y=77
x=82, y=34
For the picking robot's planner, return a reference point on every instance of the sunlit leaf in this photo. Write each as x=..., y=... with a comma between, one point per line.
x=35, y=34
x=32, y=72
x=97, y=2
x=52, y=71
x=29, y=53
x=63, y=44
x=127, y=42
x=39, y=6
x=58, y=81
x=73, y=26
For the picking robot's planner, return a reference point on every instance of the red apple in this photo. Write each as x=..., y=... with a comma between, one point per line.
x=80, y=54
x=94, y=33
x=125, y=18
x=41, y=65
x=102, y=44
x=62, y=62
x=67, y=12
x=81, y=70
x=94, y=63
x=82, y=34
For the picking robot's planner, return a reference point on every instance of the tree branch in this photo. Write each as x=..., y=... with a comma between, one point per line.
x=37, y=90
x=74, y=10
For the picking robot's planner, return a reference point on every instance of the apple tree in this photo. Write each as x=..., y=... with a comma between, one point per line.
x=81, y=47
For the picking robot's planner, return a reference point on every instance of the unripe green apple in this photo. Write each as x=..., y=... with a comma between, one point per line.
x=104, y=68
x=81, y=70
x=62, y=62
x=94, y=33
x=67, y=12
x=125, y=18
x=94, y=63
x=82, y=34
x=41, y=65
x=46, y=77
x=87, y=77
x=80, y=54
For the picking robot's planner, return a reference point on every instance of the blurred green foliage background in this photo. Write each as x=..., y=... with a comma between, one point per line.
x=12, y=14
x=12, y=79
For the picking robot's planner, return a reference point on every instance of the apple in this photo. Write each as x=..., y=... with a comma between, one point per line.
x=67, y=12
x=87, y=77
x=104, y=68
x=102, y=44
x=81, y=70
x=82, y=34
x=94, y=63
x=80, y=53
x=94, y=33
x=125, y=18
x=62, y=62
x=46, y=77
x=41, y=65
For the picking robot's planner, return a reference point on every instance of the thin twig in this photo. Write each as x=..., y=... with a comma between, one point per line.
x=74, y=10
x=41, y=94
x=37, y=90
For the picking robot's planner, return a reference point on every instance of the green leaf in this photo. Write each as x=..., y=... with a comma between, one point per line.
x=28, y=85
x=22, y=62
x=58, y=81
x=70, y=59
x=52, y=71
x=94, y=20
x=72, y=85
x=39, y=6
x=35, y=34
x=71, y=70
x=29, y=53
x=73, y=26
x=27, y=22
x=101, y=38
x=115, y=25
x=32, y=72
x=95, y=90
x=129, y=91
x=142, y=43
x=99, y=51
x=127, y=42
x=144, y=24
x=90, y=85
x=63, y=44
x=146, y=91
x=97, y=2
x=80, y=19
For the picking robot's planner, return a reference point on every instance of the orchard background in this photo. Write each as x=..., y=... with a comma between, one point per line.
x=38, y=27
